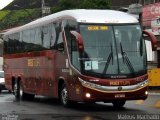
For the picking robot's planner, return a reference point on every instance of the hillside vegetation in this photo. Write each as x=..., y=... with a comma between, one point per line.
x=3, y=14
x=29, y=4
x=29, y=10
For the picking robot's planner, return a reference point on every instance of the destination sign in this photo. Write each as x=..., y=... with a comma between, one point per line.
x=93, y=28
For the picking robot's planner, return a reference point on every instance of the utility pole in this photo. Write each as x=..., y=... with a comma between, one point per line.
x=45, y=9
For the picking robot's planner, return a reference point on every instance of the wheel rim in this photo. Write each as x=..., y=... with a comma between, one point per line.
x=64, y=96
x=21, y=91
x=15, y=89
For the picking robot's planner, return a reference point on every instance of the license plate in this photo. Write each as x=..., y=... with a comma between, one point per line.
x=119, y=95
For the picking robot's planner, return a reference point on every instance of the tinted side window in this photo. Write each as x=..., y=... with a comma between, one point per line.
x=59, y=44
x=40, y=38
x=71, y=42
x=13, y=43
x=53, y=35
x=69, y=26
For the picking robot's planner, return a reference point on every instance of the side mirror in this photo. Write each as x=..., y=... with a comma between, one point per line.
x=79, y=40
x=153, y=39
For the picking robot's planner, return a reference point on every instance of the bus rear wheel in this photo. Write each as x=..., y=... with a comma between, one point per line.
x=16, y=90
x=20, y=94
x=118, y=104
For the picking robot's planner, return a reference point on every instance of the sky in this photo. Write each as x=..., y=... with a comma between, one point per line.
x=3, y=3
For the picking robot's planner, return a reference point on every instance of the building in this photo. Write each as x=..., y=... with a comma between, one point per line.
x=151, y=22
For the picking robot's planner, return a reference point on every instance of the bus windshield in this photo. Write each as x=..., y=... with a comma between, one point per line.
x=113, y=50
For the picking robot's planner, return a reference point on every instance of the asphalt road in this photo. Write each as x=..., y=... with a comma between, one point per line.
x=42, y=108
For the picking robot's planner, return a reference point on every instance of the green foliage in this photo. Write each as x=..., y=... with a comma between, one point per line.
x=12, y=18
x=3, y=14
x=84, y=4
x=69, y=4
x=96, y=4
x=19, y=17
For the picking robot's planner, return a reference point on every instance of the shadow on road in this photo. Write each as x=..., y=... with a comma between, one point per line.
x=83, y=107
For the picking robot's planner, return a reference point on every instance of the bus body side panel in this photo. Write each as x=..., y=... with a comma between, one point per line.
x=36, y=70
x=61, y=70
x=13, y=66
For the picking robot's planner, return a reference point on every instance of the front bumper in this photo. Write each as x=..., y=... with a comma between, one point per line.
x=94, y=92
x=139, y=94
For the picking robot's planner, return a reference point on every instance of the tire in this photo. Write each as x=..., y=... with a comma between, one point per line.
x=64, y=96
x=16, y=90
x=20, y=94
x=118, y=104
x=9, y=91
x=27, y=96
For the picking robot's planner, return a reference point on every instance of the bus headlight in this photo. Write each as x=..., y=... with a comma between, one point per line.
x=88, y=95
x=146, y=93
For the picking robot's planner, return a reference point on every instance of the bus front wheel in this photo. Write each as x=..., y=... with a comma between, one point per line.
x=118, y=104
x=64, y=96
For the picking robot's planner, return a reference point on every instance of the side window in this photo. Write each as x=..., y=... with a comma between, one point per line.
x=32, y=35
x=59, y=38
x=53, y=35
x=38, y=40
x=26, y=36
x=5, y=38
x=60, y=43
x=46, y=36
x=26, y=40
x=17, y=45
x=71, y=42
x=21, y=41
x=69, y=26
x=11, y=43
x=74, y=53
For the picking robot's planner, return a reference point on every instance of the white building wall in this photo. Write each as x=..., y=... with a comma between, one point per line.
x=151, y=55
x=1, y=63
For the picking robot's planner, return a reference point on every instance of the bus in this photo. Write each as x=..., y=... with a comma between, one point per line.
x=78, y=56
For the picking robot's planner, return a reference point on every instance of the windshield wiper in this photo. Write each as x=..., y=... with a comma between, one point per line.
x=110, y=56
x=126, y=60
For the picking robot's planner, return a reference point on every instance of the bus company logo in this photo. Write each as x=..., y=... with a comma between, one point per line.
x=119, y=83
x=33, y=62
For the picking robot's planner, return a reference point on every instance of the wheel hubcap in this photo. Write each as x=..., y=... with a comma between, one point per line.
x=21, y=92
x=15, y=89
x=64, y=95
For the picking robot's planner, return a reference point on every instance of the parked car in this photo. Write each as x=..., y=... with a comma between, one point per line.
x=2, y=80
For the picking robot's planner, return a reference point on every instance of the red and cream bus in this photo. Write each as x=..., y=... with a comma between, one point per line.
x=78, y=55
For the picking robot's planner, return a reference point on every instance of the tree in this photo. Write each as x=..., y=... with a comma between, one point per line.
x=68, y=4
x=84, y=4
x=96, y=4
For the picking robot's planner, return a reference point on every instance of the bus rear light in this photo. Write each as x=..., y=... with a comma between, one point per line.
x=88, y=95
